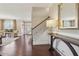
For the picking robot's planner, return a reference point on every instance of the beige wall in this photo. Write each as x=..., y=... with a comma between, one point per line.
x=38, y=15
x=1, y=24
x=53, y=11
x=14, y=26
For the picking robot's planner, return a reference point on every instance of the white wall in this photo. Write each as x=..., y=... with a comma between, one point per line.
x=11, y=11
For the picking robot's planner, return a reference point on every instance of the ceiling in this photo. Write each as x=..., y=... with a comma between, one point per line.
x=25, y=4
x=22, y=10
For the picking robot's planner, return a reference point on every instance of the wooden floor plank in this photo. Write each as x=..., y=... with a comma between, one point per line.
x=23, y=47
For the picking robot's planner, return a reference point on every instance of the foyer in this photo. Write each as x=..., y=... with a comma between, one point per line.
x=43, y=29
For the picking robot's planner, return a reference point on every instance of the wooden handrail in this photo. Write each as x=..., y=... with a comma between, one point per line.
x=40, y=23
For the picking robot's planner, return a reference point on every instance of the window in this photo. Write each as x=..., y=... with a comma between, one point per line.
x=8, y=24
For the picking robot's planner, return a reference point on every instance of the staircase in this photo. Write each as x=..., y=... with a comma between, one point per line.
x=40, y=35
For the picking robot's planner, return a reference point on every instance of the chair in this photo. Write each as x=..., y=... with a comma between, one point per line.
x=15, y=32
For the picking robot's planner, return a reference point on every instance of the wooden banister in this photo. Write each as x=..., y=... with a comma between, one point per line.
x=40, y=23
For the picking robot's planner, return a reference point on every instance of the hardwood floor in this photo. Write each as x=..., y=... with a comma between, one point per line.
x=19, y=47
x=41, y=50
x=23, y=47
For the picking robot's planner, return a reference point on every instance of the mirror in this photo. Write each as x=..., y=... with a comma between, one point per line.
x=68, y=16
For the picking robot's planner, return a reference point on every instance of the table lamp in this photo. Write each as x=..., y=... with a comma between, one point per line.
x=52, y=30
x=51, y=26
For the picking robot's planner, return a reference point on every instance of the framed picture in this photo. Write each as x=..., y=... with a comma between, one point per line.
x=68, y=16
